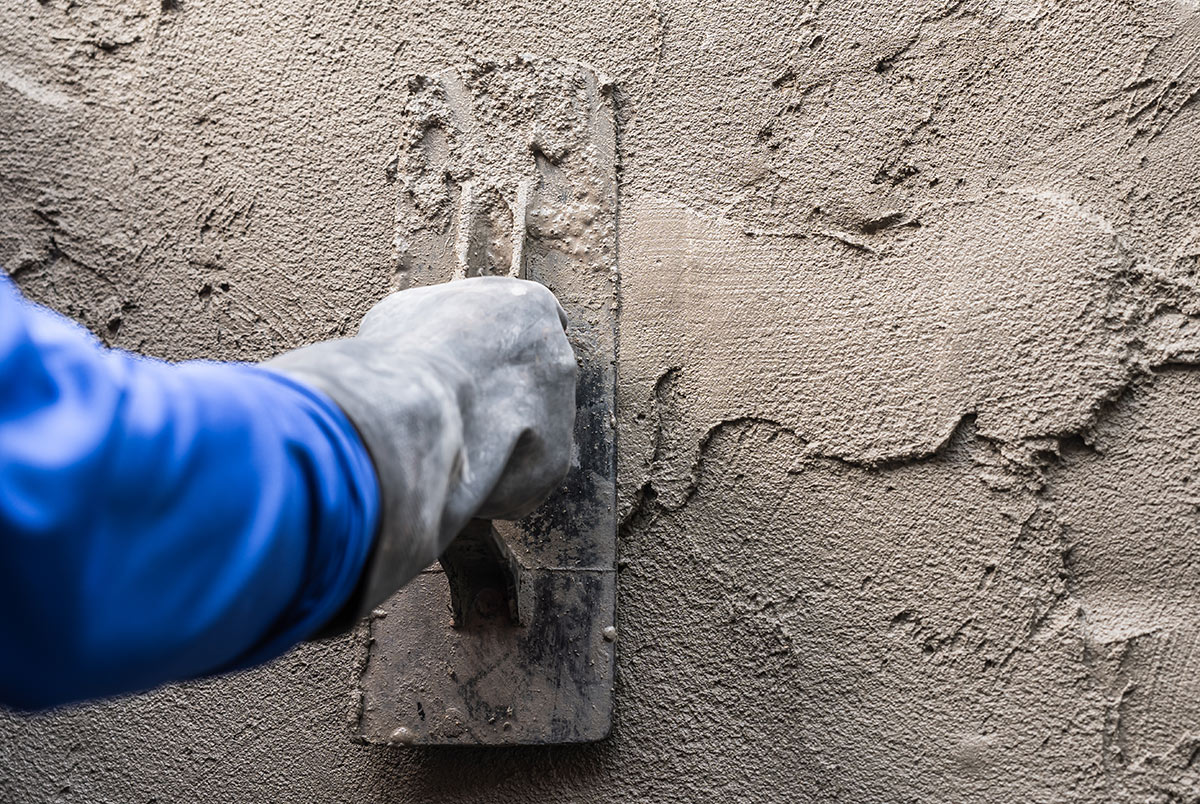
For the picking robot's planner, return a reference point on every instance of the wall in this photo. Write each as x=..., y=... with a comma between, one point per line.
x=909, y=454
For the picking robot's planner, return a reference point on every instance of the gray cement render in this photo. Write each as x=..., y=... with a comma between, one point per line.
x=907, y=388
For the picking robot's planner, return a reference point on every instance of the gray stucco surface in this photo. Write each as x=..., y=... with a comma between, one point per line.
x=907, y=392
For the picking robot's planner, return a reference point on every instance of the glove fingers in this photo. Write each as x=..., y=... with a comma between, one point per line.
x=534, y=437
x=434, y=310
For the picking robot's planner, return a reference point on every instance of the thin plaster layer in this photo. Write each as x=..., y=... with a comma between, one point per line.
x=906, y=385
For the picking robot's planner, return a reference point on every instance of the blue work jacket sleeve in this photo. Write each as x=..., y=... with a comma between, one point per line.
x=162, y=521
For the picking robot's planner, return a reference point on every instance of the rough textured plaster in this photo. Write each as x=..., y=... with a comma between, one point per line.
x=908, y=419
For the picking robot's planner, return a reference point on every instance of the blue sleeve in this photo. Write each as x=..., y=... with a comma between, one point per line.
x=159, y=522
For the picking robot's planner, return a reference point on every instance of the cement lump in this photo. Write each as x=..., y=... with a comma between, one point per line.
x=518, y=139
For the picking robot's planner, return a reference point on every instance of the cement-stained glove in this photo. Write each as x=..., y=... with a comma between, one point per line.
x=464, y=394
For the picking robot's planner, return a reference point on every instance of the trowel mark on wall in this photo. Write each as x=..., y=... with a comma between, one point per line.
x=35, y=91
x=1133, y=531
x=835, y=587
x=918, y=574
x=1166, y=83
x=1018, y=307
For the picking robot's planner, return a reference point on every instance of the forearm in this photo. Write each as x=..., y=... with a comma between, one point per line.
x=162, y=522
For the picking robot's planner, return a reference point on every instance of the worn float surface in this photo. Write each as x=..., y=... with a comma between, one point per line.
x=509, y=168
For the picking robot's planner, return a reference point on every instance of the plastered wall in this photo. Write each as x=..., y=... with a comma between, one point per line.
x=910, y=476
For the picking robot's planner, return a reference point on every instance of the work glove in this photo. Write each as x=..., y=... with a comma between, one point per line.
x=464, y=394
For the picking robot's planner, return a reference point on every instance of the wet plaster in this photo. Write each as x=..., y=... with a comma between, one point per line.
x=906, y=396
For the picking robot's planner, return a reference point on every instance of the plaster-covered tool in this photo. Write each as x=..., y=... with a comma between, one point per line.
x=509, y=168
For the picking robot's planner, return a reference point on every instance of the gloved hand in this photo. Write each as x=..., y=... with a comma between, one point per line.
x=464, y=394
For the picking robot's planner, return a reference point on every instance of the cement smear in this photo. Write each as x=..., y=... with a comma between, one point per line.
x=907, y=389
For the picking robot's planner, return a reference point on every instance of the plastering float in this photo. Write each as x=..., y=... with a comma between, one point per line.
x=509, y=168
